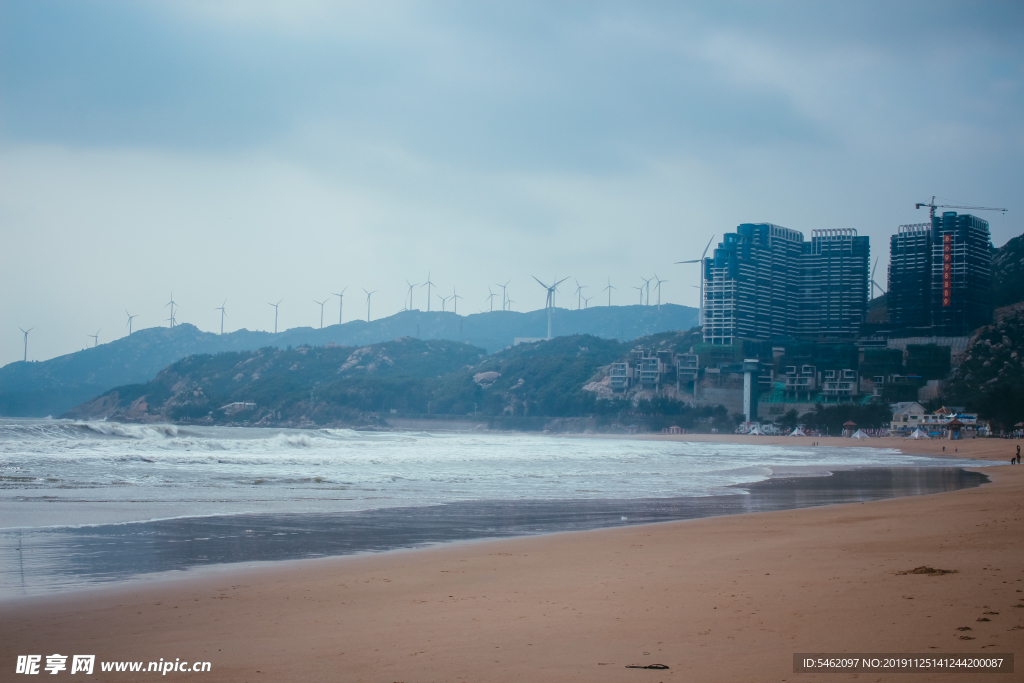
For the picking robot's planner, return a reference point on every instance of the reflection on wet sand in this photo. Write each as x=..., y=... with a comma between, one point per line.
x=46, y=560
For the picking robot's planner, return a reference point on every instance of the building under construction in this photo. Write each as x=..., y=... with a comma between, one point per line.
x=766, y=282
x=940, y=278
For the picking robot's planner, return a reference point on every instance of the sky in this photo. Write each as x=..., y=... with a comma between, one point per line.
x=248, y=151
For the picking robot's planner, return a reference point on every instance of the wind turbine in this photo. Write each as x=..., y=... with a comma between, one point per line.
x=456, y=298
x=550, y=303
x=428, y=284
x=504, y=294
x=95, y=338
x=368, y=295
x=510, y=302
x=172, y=304
x=873, y=283
x=490, y=299
x=130, y=316
x=579, y=294
x=609, y=289
x=411, y=286
x=641, y=288
x=25, y=332
x=700, y=307
x=341, y=303
x=647, y=284
x=321, y=303
x=444, y=300
x=658, y=287
x=275, y=314
x=586, y=301
x=223, y=312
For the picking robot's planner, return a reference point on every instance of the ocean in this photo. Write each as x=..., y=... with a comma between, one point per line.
x=89, y=502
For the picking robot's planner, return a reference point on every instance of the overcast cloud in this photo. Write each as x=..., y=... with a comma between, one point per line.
x=254, y=151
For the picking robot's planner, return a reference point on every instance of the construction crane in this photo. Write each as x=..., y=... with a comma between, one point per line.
x=932, y=206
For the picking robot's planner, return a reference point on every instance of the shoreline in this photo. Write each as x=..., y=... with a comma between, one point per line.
x=112, y=555
x=727, y=598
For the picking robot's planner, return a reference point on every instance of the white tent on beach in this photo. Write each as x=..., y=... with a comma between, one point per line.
x=859, y=434
x=756, y=431
x=797, y=432
x=918, y=434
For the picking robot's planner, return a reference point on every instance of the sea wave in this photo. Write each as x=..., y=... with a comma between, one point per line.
x=129, y=431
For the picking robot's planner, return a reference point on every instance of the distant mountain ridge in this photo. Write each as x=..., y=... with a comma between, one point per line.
x=52, y=387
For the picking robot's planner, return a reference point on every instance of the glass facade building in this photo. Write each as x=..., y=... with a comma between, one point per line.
x=940, y=278
x=765, y=281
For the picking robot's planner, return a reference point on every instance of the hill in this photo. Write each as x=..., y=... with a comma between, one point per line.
x=991, y=377
x=1008, y=273
x=302, y=385
x=354, y=386
x=54, y=386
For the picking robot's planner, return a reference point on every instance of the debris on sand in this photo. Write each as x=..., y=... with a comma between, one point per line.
x=931, y=571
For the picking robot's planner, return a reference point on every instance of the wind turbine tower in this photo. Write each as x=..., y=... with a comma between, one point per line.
x=368, y=295
x=428, y=284
x=700, y=307
x=130, y=316
x=455, y=297
x=95, y=338
x=550, y=303
x=223, y=312
x=641, y=288
x=411, y=287
x=657, y=286
x=275, y=314
x=490, y=299
x=609, y=289
x=25, y=332
x=341, y=303
x=579, y=294
x=504, y=294
x=321, y=303
x=873, y=283
x=172, y=304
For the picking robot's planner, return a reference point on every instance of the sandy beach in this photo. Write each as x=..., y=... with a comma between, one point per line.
x=718, y=599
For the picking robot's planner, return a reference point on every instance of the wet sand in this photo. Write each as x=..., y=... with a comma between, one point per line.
x=718, y=599
x=47, y=560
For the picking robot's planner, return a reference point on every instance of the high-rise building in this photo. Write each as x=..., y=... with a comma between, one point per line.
x=835, y=283
x=910, y=276
x=961, y=292
x=764, y=281
x=940, y=275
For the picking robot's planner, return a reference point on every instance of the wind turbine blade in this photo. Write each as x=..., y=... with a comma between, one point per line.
x=696, y=260
x=539, y=282
x=707, y=247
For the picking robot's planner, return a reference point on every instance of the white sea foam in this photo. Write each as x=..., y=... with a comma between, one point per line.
x=211, y=469
x=130, y=431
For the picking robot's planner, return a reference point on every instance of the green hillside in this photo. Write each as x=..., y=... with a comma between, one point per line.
x=1008, y=273
x=346, y=385
x=991, y=377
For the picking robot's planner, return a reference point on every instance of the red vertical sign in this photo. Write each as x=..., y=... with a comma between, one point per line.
x=947, y=269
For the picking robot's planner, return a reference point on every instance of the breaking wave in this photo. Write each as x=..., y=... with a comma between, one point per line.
x=130, y=431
